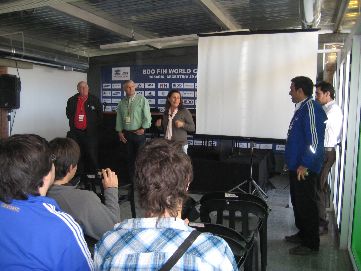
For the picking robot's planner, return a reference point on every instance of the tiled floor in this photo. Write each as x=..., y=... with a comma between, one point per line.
x=281, y=223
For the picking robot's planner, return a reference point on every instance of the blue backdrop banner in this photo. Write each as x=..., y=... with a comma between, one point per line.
x=152, y=81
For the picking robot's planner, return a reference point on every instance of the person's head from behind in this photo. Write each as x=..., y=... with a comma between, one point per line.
x=324, y=92
x=174, y=99
x=26, y=167
x=301, y=88
x=67, y=154
x=162, y=175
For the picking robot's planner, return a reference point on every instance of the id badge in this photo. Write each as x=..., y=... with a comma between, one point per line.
x=127, y=120
x=81, y=118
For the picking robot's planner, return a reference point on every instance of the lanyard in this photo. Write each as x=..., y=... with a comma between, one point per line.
x=130, y=102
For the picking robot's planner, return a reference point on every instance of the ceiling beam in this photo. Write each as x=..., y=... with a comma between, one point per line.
x=99, y=21
x=156, y=42
x=19, y=37
x=224, y=17
x=342, y=7
x=19, y=5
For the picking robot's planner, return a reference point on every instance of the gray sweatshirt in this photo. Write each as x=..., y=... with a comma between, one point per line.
x=86, y=208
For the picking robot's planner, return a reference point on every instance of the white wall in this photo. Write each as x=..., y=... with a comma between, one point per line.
x=43, y=97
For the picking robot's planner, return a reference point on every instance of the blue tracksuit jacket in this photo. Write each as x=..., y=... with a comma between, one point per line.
x=36, y=235
x=306, y=137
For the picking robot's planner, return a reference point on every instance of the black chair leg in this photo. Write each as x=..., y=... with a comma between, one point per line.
x=263, y=245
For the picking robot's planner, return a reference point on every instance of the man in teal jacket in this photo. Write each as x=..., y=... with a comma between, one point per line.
x=304, y=158
x=35, y=233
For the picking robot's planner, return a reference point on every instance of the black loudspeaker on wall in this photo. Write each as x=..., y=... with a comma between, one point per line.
x=10, y=87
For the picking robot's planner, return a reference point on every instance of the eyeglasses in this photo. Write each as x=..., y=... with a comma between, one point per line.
x=53, y=158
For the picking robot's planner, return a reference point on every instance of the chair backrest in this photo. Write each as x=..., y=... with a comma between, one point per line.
x=236, y=241
x=246, y=204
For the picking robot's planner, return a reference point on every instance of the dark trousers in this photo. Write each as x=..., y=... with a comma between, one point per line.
x=88, y=144
x=134, y=142
x=304, y=199
x=322, y=188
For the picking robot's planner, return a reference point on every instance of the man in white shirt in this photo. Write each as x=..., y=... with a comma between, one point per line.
x=325, y=95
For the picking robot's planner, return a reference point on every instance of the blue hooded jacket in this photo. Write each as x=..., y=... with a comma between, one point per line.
x=305, y=138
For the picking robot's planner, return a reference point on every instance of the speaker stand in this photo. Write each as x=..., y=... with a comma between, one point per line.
x=9, y=122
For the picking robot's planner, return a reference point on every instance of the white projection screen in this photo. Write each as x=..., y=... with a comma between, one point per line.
x=243, y=82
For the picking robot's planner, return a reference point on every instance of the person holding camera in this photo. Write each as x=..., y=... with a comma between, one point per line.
x=85, y=206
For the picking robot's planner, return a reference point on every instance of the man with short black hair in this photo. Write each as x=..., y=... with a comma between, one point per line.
x=325, y=95
x=35, y=233
x=85, y=206
x=303, y=157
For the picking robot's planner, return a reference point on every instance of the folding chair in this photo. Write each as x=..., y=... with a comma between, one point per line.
x=249, y=206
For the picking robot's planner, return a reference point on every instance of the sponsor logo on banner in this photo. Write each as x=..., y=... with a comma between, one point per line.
x=151, y=101
x=241, y=145
x=115, y=101
x=108, y=109
x=177, y=85
x=197, y=142
x=161, y=109
x=187, y=93
x=161, y=101
x=107, y=93
x=149, y=85
x=121, y=73
x=117, y=85
x=108, y=101
x=162, y=93
x=114, y=108
x=106, y=86
x=139, y=85
x=188, y=85
x=265, y=146
x=280, y=147
x=117, y=93
x=190, y=142
x=140, y=92
x=150, y=93
x=163, y=85
x=188, y=102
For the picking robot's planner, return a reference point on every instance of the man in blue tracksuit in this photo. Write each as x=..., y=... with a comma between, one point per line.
x=304, y=157
x=34, y=233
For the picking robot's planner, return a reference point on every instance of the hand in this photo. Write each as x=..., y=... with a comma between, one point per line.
x=186, y=221
x=302, y=173
x=179, y=123
x=158, y=123
x=122, y=137
x=110, y=179
x=140, y=131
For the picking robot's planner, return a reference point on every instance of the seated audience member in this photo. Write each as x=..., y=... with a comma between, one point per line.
x=85, y=206
x=162, y=176
x=35, y=233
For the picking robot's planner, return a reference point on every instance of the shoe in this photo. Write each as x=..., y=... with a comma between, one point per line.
x=293, y=238
x=302, y=250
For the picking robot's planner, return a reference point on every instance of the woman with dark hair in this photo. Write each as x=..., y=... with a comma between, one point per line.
x=162, y=177
x=177, y=120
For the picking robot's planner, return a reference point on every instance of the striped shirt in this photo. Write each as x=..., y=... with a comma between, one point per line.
x=147, y=243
